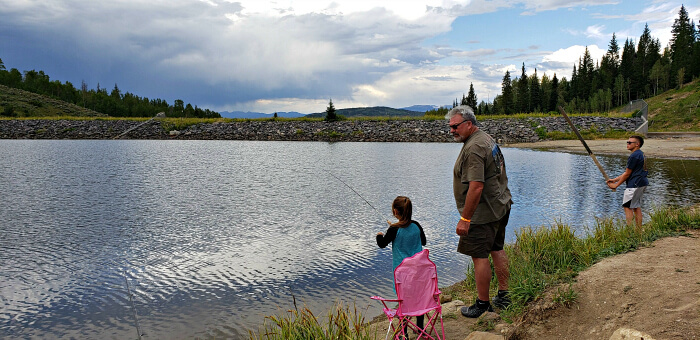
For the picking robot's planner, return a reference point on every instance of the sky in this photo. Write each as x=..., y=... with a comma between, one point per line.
x=287, y=55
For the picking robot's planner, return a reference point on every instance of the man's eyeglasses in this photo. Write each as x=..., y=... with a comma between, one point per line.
x=628, y=142
x=455, y=126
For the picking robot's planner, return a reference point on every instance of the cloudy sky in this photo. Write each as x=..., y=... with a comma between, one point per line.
x=295, y=55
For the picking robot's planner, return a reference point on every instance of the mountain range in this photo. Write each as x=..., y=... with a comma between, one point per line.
x=415, y=110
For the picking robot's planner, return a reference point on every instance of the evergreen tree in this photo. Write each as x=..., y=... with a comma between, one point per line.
x=646, y=57
x=523, y=96
x=506, y=101
x=682, y=41
x=471, y=100
x=695, y=65
x=585, y=75
x=554, y=96
x=330, y=112
x=627, y=60
x=535, y=93
x=573, y=91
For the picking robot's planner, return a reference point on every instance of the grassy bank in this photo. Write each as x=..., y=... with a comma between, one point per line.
x=548, y=256
x=540, y=258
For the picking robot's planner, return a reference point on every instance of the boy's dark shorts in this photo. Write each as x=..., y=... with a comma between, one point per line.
x=484, y=238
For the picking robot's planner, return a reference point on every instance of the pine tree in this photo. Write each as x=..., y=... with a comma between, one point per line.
x=573, y=88
x=523, y=96
x=609, y=65
x=506, y=100
x=330, y=112
x=585, y=75
x=682, y=41
x=646, y=57
x=535, y=93
x=471, y=100
x=554, y=96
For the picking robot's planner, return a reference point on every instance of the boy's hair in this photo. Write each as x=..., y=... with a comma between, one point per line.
x=404, y=210
x=640, y=139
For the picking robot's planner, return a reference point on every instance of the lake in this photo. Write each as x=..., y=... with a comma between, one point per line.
x=211, y=236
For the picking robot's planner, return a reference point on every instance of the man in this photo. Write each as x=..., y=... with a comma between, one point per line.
x=635, y=177
x=483, y=199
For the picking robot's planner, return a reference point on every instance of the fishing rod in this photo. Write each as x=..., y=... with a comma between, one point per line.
x=159, y=115
x=590, y=153
x=358, y=194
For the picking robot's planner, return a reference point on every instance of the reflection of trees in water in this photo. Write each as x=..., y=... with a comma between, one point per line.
x=677, y=180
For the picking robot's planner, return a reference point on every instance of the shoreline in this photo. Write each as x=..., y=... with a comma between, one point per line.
x=687, y=148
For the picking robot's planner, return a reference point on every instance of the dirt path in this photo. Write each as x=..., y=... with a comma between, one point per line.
x=655, y=290
x=670, y=147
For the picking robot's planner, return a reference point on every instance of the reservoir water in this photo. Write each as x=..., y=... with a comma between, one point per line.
x=211, y=236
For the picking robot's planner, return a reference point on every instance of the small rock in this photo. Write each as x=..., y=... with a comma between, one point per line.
x=501, y=328
x=452, y=307
x=629, y=334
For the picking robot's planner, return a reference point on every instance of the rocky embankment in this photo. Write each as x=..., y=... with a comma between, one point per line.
x=506, y=130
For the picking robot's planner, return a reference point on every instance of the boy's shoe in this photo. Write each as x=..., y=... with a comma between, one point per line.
x=474, y=311
x=501, y=302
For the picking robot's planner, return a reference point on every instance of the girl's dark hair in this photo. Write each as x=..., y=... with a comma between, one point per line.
x=404, y=210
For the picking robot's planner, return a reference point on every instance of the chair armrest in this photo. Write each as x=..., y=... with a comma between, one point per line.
x=383, y=299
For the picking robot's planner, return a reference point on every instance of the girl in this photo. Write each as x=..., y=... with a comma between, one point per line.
x=406, y=236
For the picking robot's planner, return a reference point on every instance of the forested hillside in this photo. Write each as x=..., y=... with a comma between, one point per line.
x=114, y=103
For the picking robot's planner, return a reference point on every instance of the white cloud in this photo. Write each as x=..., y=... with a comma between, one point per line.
x=562, y=61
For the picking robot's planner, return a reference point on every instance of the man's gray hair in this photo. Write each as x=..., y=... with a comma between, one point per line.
x=464, y=110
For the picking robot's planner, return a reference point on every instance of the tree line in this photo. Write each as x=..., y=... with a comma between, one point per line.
x=114, y=103
x=620, y=76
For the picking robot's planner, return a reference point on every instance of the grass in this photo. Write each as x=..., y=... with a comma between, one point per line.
x=341, y=322
x=546, y=257
x=676, y=110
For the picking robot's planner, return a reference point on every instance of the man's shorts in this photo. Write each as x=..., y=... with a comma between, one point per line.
x=484, y=238
x=633, y=197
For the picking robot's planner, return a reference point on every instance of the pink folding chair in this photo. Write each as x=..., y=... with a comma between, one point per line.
x=417, y=294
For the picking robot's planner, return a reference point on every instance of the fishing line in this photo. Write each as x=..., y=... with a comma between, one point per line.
x=133, y=308
x=358, y=194
x=159, y=115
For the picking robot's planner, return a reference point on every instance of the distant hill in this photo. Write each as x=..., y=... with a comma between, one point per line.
x=415, y=110
x=257, y=115
x=375, y=111
x=421, y=108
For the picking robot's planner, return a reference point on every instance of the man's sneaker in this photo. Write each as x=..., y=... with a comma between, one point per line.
x=501, y=302
x=474, y=311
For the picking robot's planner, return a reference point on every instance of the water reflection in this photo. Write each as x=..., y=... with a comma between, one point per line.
x=212, y=235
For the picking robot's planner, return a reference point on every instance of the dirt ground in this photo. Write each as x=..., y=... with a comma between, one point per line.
x=669, y=146
x=655, y=290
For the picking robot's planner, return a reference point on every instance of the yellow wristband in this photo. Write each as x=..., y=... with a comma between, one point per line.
x=464, y=219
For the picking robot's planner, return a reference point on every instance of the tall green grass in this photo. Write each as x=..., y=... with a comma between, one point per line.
x=341, y=322
x=543, y=257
